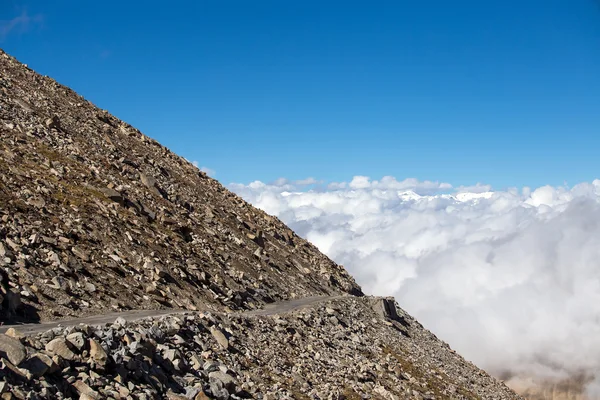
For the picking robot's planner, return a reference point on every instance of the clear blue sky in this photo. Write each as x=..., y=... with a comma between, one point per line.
x=505, y=92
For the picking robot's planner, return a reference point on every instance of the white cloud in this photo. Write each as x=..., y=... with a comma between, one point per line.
x=19, y=24
x=308, y=181
x=390, y=183
x=511, y=279
x=208, y=171
x=286, y=184
x=280, y=182
x=478, y=188
x=360, y=182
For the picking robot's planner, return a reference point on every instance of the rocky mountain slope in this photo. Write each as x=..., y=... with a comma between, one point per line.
x=96, y=217
x=344, y=348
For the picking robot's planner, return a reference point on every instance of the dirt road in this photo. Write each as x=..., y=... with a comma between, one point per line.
x=97, y=320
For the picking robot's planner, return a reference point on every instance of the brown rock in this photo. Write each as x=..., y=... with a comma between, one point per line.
x=150, y=183
x=14, y=333
x=60, y=348
x=97, y=353
x=18, y=372
x=85, y=391
x=12, y=349
x=53, y=123
x=174, y=396
x=219, y=337
x=113, y=195
x=81, y=253
x=39, y=364
x=77, y=340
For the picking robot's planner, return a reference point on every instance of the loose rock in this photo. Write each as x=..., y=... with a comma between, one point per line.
x=60, y=348
x=12, y=349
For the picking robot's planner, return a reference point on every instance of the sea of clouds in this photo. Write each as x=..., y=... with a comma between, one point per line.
x=510, y=279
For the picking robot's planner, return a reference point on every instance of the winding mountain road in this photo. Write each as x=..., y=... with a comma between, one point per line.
x=97, y=320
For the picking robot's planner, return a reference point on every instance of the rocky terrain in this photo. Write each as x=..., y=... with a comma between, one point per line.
x=96, y=217
x=344, y=348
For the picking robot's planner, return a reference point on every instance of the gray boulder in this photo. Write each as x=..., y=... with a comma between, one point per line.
x=12, y=349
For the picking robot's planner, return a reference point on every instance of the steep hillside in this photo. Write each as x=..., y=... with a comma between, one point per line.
x=96, y=218
x=343, y=348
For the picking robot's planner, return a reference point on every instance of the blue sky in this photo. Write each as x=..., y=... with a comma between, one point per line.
x=503, y=92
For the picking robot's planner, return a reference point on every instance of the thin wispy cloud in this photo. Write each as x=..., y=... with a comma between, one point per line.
x=286, y=184
x=19, y=24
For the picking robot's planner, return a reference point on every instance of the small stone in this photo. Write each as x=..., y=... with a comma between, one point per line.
x=210, y=366
x=224, y=380
x=58, y=282
x=219, y=337
x=174, y=396
x=77, y=339
x=123, y=391
x=37, y=202
x=178, y=340
x=196, y=362
x=150, y=183
x=84, y=390
x=19, y=372
x=90, y=287
x=60, y=348
x=112, y=194
x=97, y=353
x=201, y=396
x=13, y=333
x=39, y=364
x=53, y=123
x=81, y=253
x=12, y=349
x=170, y=354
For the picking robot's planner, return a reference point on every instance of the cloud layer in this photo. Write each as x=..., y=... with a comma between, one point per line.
x=511, y=279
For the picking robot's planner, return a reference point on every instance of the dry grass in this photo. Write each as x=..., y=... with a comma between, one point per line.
x=434, y=385
x=350, y=394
